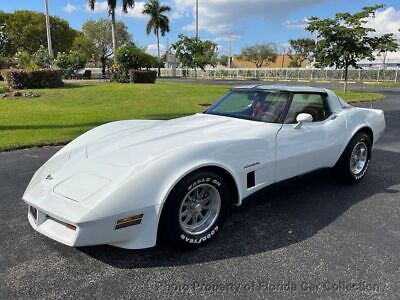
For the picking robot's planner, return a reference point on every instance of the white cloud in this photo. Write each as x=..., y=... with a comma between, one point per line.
x=386, y=21
x=69, y=8
x=301, y=24
x=152, y=49
x=218, y=16
x=226, y=38
x=135, y=13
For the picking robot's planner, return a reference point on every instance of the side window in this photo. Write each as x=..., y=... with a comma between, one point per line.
x=314, y=104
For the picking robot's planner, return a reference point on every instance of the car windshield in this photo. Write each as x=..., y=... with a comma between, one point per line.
x=263, y=106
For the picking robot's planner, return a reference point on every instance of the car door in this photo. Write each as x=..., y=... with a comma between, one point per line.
x=314, y=145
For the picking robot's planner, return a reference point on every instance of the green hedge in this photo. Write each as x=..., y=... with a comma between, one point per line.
x=33, y=79
x=142, y=76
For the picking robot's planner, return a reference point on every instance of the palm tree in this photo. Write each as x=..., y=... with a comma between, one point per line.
x=158, y=22
x=112, y=4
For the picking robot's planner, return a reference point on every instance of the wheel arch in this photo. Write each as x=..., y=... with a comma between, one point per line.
x=222, y=171
x=366, y=129
x=227, y=176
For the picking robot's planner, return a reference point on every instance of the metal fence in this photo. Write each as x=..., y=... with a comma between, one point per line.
x=288, y=74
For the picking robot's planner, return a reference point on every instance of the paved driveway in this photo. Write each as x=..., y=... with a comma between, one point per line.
x=311, y=237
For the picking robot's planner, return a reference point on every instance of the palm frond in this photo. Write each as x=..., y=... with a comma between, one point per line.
x=112, y=4
x=149, y=27
x=164, y=24
x=147, y=10
x=164, y=8
x=91, y=4
x=127, y=4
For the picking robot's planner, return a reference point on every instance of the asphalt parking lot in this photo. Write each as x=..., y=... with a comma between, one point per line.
x=312, y=237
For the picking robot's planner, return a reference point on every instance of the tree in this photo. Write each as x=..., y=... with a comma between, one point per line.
x=26, y=31
x=158, y=22
x=3, y=40
x=223, y=60
x=385, y=44
x=195, y=53
x=260, y=54
x=112, y=4
x=302, y=49
x=100, y=37
x=84, y=45
x=344, y=40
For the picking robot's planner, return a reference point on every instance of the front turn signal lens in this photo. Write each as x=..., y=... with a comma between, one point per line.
x=129, y=221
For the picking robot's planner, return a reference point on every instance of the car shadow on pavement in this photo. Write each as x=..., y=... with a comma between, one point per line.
x=286, y=214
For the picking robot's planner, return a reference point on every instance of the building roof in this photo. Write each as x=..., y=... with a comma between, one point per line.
x=282, y=61
x=283, y=87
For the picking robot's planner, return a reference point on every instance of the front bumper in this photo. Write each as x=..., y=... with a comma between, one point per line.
x=63, y=220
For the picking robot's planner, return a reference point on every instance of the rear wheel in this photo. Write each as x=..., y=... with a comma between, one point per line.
x=355, y=160
x=195, y=210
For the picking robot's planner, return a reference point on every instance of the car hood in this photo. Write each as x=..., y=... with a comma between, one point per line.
x=104, y=158
x=134, y=145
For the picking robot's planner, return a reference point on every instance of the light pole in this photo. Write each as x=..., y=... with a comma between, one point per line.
x=197, y=18
x=48, y=29
x=230, y=50
x=314, y=63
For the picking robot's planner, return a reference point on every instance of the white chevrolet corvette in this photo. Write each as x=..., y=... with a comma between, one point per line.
x=127, y=183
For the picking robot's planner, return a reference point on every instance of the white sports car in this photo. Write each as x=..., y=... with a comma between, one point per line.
x=127, y=183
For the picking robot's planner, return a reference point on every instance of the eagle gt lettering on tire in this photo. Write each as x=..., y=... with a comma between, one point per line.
x=196, y=209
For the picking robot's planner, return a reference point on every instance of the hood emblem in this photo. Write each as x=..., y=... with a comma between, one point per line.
x=49, y=177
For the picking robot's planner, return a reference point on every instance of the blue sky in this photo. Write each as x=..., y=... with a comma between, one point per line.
x=249, y=22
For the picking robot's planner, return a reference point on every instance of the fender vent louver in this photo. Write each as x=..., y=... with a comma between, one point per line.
x=251, y=179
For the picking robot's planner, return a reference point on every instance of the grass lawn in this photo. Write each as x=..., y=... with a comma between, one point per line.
x=60, y=115
x=355, y=96
x=383, y=84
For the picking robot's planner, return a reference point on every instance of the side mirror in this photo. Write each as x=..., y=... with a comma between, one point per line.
x=303, y=118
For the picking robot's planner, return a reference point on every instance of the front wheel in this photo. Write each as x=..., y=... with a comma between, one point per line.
x=355, y=160
x=195, y=210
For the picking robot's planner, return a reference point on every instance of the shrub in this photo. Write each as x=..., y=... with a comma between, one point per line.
x=42, y=59
x=70, y=62
x=6, y=62
x=119, y=75
x=24, y=60
x=38, y=60
x=31, y=79
x=130, y=57
x=142, y=76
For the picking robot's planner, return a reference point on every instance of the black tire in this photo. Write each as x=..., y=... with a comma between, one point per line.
x=343, y=167
x=171, y=228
